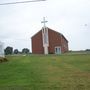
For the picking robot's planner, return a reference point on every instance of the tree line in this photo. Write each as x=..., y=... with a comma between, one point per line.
x=9, y=50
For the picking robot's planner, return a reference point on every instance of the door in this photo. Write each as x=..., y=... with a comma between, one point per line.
x=57, y=50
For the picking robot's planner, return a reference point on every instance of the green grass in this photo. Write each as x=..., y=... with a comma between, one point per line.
x=51, y=72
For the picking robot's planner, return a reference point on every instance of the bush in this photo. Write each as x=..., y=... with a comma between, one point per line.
x=3, y=59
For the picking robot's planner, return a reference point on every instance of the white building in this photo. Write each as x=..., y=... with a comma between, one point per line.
x=2, y=49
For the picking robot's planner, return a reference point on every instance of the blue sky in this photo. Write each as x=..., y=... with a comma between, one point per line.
x=69, y=17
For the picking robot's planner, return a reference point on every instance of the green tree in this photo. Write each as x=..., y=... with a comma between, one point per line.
x=25, y=50
x=8, y=50
x=16, y=51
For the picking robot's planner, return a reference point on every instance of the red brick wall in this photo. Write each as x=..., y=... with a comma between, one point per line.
x=64, y=44
x=55, y=39
x=37, y=44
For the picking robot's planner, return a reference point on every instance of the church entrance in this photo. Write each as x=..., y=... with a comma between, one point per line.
x=58, y=50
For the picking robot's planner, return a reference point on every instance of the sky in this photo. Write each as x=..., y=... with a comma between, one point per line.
x=19, y=22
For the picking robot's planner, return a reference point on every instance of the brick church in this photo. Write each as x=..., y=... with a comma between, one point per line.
x=48, y=41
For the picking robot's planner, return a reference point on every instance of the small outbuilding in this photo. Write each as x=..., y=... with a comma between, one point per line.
x=2, y=49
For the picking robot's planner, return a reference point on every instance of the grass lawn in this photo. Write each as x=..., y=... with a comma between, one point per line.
x=51, y=72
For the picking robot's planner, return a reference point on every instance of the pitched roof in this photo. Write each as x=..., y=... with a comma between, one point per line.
x=53, y=31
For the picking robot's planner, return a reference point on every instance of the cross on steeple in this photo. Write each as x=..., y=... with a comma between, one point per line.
x=44, y=21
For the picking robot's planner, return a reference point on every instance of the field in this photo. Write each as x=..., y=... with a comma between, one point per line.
x=51, y=72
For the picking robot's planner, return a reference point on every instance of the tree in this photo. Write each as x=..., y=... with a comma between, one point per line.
x=25, y=50
x=16, y=51
x=8, y=50
x=87, y=50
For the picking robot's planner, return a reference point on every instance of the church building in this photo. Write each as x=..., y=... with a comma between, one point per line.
x=48, y=41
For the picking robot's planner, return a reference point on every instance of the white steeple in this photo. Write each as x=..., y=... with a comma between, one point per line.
x=45, y=36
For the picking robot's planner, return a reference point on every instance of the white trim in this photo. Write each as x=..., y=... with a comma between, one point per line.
x=45, y=43
x=58, y=50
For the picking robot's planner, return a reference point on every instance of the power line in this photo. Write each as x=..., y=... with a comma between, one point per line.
x=21, y=2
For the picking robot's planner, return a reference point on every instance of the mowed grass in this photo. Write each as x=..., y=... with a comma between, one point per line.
x=51, y=72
